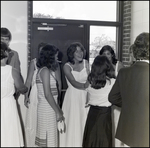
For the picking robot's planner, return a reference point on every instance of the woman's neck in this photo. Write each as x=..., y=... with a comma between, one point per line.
x=77, y=62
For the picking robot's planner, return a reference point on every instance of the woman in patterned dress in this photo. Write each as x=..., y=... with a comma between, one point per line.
x=30, y=102
x=48, y=111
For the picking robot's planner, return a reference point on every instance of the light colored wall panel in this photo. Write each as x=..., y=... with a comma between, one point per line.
x=14, y=17
x=139, y=18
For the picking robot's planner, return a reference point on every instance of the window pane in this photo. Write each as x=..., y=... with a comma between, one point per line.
x=100, y=36
x=77, y=10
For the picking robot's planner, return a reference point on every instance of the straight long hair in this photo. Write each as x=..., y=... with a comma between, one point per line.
x=101, y=71
x=110, y=49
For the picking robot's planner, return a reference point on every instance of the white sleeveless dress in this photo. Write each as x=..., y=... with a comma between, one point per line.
x=11, y=132
x=75, y=112
x=115, y=118
x=31, y=113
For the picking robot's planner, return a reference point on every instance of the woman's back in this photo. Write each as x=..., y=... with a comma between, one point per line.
x=11, y=133
x=7, y=82
x=46, y=134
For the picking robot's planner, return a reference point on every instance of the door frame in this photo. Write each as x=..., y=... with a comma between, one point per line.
x=118, y=24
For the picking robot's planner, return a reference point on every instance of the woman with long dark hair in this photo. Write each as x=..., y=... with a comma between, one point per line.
x=48, y=110
x=98, y=128
x=76, y=72
x=108, y=51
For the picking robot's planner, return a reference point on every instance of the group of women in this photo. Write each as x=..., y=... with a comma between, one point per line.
x=44, y=114
x=85, y=119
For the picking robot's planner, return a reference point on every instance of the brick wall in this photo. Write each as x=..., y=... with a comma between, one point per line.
x=126, y=32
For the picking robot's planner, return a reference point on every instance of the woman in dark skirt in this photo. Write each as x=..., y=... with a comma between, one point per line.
x=98, y=128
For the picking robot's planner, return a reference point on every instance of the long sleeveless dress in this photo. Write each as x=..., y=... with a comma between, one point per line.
x=11, y=132
x=31, y=113
x=74, y=111
x=46, y=132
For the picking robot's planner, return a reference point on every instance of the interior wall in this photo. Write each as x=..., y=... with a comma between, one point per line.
x=14, y=17
x=139, y=18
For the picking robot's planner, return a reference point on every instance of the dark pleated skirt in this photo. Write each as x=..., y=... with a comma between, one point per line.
x=98, y=128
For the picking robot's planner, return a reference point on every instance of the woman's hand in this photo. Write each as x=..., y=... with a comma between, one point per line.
x=59, y=116
x=26, y=101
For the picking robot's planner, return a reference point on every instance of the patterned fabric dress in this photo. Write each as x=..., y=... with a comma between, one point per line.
x=47, y=133
x=11, y=132
x=31, y=113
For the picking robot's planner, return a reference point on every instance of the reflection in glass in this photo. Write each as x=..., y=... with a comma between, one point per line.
x=100, y=36
x=77, y=10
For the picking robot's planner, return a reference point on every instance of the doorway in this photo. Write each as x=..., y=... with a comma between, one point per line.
x=60, y=35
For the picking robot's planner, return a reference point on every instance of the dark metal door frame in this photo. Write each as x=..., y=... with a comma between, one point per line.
x=118, y=24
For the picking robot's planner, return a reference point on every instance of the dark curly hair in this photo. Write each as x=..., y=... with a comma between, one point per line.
x=6, y=33
x=4, y=48
x=41, y=45
x=47, y=57
x=140, y=47
x=110, y=49
x=71, y=50
x=101, y=70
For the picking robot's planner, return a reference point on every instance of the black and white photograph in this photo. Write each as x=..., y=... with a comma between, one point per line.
x=74, y=73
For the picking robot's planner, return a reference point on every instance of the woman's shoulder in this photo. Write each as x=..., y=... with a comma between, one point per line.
x=43, y=69
x=119, y=65
x=86, y=62
x=14, y=52
x=67, y=65
x=6, y=68
x=9, y=66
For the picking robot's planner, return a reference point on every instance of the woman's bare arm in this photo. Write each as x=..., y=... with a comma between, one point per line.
x=58, y=77
x=45, y=77
x=19, y=84
x=28, y=82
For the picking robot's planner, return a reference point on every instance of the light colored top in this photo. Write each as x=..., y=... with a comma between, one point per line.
x=99, y=97
x=7, y=82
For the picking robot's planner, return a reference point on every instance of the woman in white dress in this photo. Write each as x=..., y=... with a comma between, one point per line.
x=76, y=71
x=11, y=132
x=109, y=52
